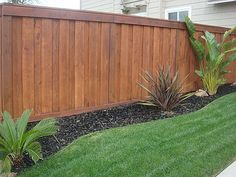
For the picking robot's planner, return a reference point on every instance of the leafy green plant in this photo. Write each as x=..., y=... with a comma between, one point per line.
x=213, y=57
x=16, y=141
x=164, y=91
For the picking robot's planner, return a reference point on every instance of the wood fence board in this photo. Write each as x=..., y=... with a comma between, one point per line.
x=1, y=108
x=64, y=65
x=60, y=62
x=137, y=60
x=72, y=64
x=79, y=63
x=7, y=87
x=115, y=47
x=124, y=63
x=28, y=62
x=46, y=66
x=55, y=66
x=105, y=54
x=37, y=66
x=17, y=66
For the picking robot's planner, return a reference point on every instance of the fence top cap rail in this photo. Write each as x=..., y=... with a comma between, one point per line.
x=9, y=9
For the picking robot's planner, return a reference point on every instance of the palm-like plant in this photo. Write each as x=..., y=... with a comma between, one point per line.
x=15, y=140
x=213, y=57
x=164, y=91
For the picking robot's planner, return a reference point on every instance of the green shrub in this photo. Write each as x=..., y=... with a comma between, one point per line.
x=16, y=141
x=213, y=57
x=164, y=91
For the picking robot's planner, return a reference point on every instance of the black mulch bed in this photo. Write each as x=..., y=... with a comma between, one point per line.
x=72, y=127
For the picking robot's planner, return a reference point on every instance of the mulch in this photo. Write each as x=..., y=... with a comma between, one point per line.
x=75, y=126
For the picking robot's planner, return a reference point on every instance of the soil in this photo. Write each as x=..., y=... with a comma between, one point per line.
x=75, y=126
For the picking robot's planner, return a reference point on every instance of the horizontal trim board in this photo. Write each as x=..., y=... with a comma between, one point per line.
x=220, y=1
x=68, y=14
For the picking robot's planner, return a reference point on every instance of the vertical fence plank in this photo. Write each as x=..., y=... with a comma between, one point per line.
x=72, y=64
x=165, y=57
x=114, y=80
x=81, y=56
x=7, y=70
x=147, y=53
x=17, y=66
x=124, y=62
x=46, y=65
x=86, y=52
x=172, y=48
x=79, y=64
x=37, y=66
x=182, y=60
x=130, y=54
x=64, y=65
x=92, y=63
x=28, y=62
x=55, y=66
x=105, y=53
x=156, y=48
x=137, y=60
x=98, y=64
x=1, y=108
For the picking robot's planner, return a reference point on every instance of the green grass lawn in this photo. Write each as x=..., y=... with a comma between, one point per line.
x=197, y=144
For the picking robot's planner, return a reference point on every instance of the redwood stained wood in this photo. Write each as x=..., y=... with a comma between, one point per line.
x=115, y=48
x=166, y=38
x=1, y=108
x=80, y=57
x=181, y=60
x=92, y=63
x=172, y=50
x=86, y=53
x=147, y=53
x=98, y=64
x=137, y=60
x=46, y=66
x=104, y=67
x=157, y=39
x=60, y=62
x=17, y=66
x=55, y=66
x=72, y=64
x=130, y=37
x=37, y=66
x=7, y=70
x=28, y=62
x=64, y=65
x=124, y=63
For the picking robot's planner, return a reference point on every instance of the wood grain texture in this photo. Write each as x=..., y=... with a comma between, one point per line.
x=7, y=69
x=1, y=108
x=46, y=66
x=64, y=90
x=55, y=66
x=28, y=62
x=63, y=65
x=37, y=66
x=17, y=66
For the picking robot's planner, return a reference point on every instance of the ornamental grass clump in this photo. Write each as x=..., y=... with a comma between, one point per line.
x=16, y=141
x=164, y=90
x=213, y=57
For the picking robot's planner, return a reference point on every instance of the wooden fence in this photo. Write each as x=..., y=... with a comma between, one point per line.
x=61, y=62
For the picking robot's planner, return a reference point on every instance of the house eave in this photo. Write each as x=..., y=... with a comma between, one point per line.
x=220, y=1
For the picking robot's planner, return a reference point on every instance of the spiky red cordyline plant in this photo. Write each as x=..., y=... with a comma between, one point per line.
x=164, y=91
